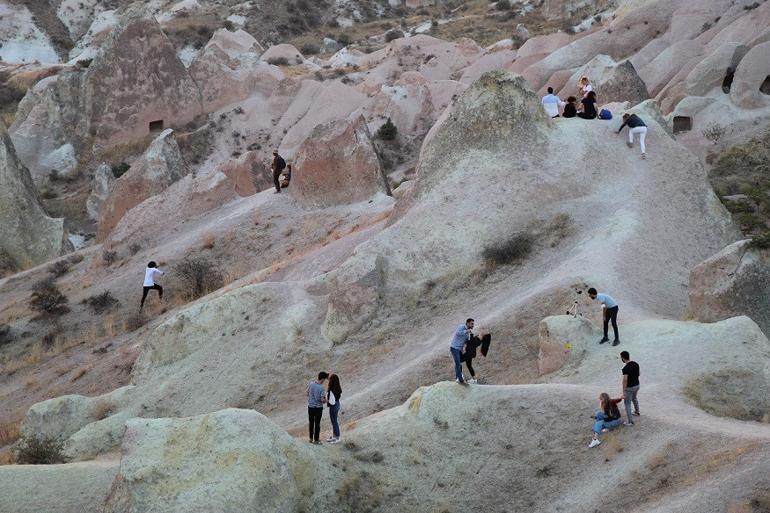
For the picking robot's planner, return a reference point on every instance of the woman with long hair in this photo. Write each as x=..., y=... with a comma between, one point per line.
x=588, y=110
x=333, y=394
x=607, y=417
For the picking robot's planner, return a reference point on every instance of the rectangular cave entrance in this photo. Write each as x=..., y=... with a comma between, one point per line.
x=156, y=126
x=682, y=124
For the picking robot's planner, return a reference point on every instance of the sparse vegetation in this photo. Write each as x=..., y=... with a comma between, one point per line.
x=59, y=268
x=109, y=257
x=47, y=299
x=511, y=251
x=43, y=450
x=503, y=5
x=198, y=277
x=135, y=321
x=134, y=248
x=310, y=49
x=101, y=303
x=737, y=393
x=278, y=61
x=388, y=131
x=6, y=335
x=393, y=34
x=714, y=132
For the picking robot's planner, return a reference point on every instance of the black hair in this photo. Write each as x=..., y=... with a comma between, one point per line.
x=469, y=320
x=322, y=376
x=550, y=90
x=592, y=291
x=152, y=264
x=625, y=355
x=592, y=95
x=571, y=99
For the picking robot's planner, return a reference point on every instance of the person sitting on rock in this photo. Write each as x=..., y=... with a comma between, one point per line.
x=316, y=398
x=610, y=313
x=462, y=334
x=630, y=386
x=286, y=179
x=607, y=417
x=551, y=104
x=635, y=126
x=277, y=166
x=588, y=106
x=149, y=282
x=570, y=108
x=585, y=87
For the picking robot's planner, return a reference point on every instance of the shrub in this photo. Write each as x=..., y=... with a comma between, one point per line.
x=59, y=268
x=135, y=321
x=310, y=49
x=503, y=5
x=34, y=450
x=511, y=251
x=343, y=39
x=198, y=277
x=48, y=299
x=388, y=131
x=119, y=169
x=109, y=257
x=761, y=241
x=714, y=132
x=6, y=335
x=101, y=303
x=278, y=61
x=392, y=35
x=134, y=248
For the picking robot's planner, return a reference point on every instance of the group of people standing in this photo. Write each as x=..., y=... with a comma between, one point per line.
x=586, y=109
x=319, y=396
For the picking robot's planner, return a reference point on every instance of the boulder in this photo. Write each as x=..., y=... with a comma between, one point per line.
x=160, y=166
x=100, y=190
x=543, y=45
x=60, y=417
x=710, y=72
x=281, y=52
x=562, y=339
x=337, y=165
x=27, y=235
x=331, y=45
x=751, y=85
x=242, y=171
x=408, y=103
x=612, y=81
x=735, y=281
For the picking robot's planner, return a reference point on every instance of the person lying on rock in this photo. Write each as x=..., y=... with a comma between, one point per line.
x=610, y=313
x=469, y=353
x=316, y=398
x=462, y=334
x=588, y=106
x=570, y=109
x=607, y=417
x=630, y=386
x=635, y=126
x=150, y=274
x=277, y=166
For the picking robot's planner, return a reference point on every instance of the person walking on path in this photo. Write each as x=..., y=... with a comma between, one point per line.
x=150, y=274
x=551, y=104
x=610, y=308
x=630, y=386
x=277, y=166
x=333, y=394
x=635, y=126
x=316, y=398
x=462, y=334
x=607, y=417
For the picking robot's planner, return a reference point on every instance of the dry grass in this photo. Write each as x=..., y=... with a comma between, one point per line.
x=10, y=431
x=209, y=241
x=80, y=373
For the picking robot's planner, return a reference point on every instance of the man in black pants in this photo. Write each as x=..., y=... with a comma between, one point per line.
x=277, y=166
x=316, y=398
x=610, y=310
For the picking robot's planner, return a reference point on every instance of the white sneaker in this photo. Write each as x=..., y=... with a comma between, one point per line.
x=330, y=439
x=334, y=441
x=628, y=423
x=594, y=443
x=472, y=381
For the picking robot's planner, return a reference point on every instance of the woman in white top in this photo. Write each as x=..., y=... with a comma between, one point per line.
x=585, y=87
x=149, y=282
x=333, y=400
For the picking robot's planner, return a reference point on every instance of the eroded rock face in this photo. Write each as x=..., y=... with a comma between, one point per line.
x=563, y=340
x=612, y=81
x=751, y=75
x=710, y=72
x=337, y=165
x=160, y=166
x=100, y=190
x=27, y=235
x=735, y=281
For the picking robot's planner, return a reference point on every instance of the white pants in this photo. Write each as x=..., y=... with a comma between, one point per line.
x=642, y=131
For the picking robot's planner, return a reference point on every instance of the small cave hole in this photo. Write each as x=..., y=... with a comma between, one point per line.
x=156, y=126
x=765, y=87
x=682, y=124
x=728, y=80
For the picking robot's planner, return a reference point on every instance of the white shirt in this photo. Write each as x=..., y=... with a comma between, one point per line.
x=332, y=400
x=551, y=104
x=149, y=276
x=586, y=89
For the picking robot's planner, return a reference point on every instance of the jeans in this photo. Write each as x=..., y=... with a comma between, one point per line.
x=458, y=365
x=334, y=411
x=642, y=131
x=611, y=314
x=631, y=398
x=602, y=423
x=146, y=289
x=314, y=417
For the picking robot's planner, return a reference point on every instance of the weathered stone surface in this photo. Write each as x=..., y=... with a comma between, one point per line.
x=753, y=71
x=735, y=281
x=612, y=81
x=710, y=72
x=100, y=190
x=337, y=165
x=563, y=339
x=668, y=63
x=242, y=171
x=283, y=51
x=27, y=235
x=160, y=166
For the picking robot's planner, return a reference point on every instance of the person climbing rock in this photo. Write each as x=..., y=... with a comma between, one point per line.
x=630, y=386
x=333, y=394
x=316, y=398
x=462, y=334
x=277, y=166
x=607, y=417
x=610, y=311
x=588, y=110
x=150, y=274
x=635, y=126
x=551, y=104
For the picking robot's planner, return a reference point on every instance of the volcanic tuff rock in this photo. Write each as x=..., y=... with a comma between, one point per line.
x=100, y=190
x=27, y=235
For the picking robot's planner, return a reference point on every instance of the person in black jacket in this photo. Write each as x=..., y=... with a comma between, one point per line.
x=570, y=109
x=589, y=106
x=635, y=126
x=469, y=353
x=277, y=167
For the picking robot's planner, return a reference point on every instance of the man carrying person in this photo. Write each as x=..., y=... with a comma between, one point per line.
x=551, y=104
x=610, y=309
x=277, y=165
x=635, y=126
x=630, y=386
x=462, y=335
x=316, y=398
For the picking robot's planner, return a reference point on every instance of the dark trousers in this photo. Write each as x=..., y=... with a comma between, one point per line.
x=469, y=364
x=334, y=415
x=314, y=416
x=611, y=314
x=586, y=116
x=277, y=180
x=146, y=290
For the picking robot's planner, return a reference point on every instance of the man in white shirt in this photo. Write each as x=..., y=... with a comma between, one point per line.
x=551, y=104
x=610, y=307
x=149, y=282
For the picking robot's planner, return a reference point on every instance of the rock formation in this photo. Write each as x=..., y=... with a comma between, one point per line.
x=100, y=190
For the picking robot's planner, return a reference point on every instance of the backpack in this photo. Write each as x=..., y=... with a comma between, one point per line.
x=605, y=114
x=280, y=163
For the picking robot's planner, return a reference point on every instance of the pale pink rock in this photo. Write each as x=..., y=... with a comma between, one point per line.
x=752, y=74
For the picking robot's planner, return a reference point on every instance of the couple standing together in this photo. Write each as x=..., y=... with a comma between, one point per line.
x=317, y=396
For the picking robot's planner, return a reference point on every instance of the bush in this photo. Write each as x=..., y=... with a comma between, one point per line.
x=761, y=241
x=503, y=5
x=278, y=61
x=6, y=335
x=198, y=277
x=343, y=39
x=33, y=450
x=119, y=170
x=109, y=257
x=59, y=268
x=135, y=321
x=511, y=251
x=392, y=35
x=387, y=132
x=134, y=248
x=101, y=303
x=48, y=299
x=714, y=132
x=310, y=49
